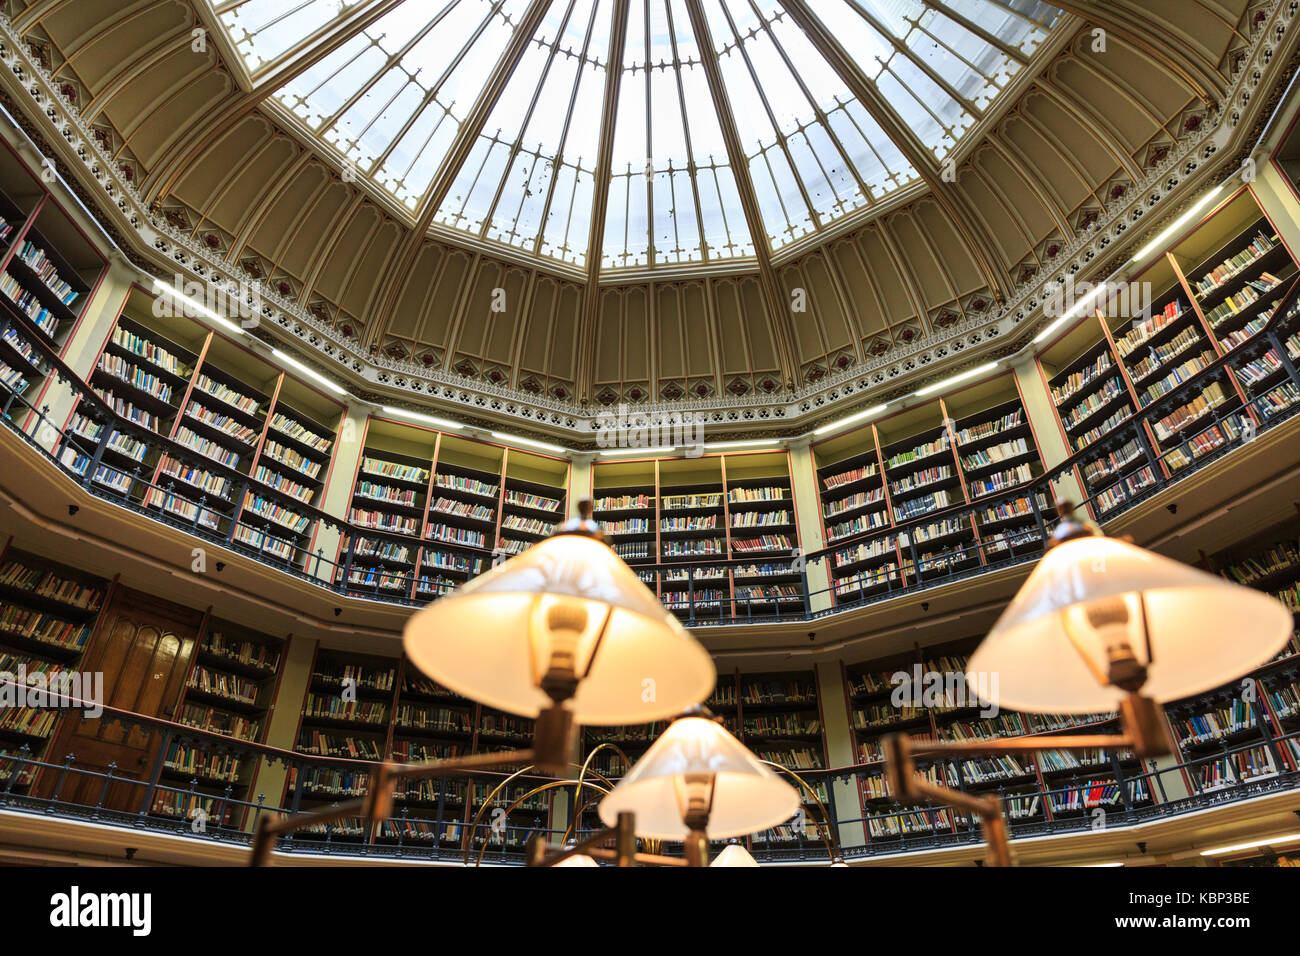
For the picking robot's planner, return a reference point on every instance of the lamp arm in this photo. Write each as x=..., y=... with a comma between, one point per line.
x=550, y=785
x=376, y=803
x=829, y=840
x=625, y=852
x=1144, y=734
x=907, y=784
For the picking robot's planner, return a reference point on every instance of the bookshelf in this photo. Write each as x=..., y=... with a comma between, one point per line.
x=625, y=501
x=693, y=531
x=877, y=484
x=855, y=502
x=294, y=458
x=49, y=270
x=998, y=453
x=502, y=831
x=920, y=692
x=440, y=509
x=722, y=529
x=1094, y=401
x=389, y=501
x=430, y=723
x=780, y=719
x=347, y=713
x=1192, y=412
x=1255, y=712
x=229, y=690
x=48, y=612
x=535, y=500
x=252, y=433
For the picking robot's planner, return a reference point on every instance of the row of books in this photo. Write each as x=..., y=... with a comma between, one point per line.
x=50, y=584
x=38, y=260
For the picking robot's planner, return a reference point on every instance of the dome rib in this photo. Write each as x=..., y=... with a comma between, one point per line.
x=779, y=318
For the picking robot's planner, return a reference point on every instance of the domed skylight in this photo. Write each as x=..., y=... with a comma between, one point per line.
x=419, y=98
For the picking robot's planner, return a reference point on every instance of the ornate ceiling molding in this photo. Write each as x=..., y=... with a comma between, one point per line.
x=156, y=247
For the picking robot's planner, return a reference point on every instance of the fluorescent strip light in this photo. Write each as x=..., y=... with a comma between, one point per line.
x=742, y=444
x=1114, y=863
x=427, y=419
x=637, y=451
x=502, y=436
x=937, y=386
x=310, y=373
x=1079, y=308
x=174, y=293
x=1178, y=223
x=1285, y=838
x=873, y=410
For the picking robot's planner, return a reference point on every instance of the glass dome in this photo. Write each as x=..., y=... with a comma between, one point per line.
x=439, y=106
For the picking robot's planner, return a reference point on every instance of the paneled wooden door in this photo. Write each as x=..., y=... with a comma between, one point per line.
x=143, y=647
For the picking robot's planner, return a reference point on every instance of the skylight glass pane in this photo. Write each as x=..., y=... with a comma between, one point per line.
x=263, y=30
x=532, y=120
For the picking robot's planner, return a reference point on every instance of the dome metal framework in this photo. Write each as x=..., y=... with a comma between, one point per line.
x=729, y=130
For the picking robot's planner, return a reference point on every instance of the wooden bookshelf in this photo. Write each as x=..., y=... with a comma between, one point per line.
x=389, y=498
x=1228, y=717
x=48, y=612
x=625, y=500
x=175, y=377
x=722, y=529
x=535, y=500
x=998, y=451
x=442, y=509
x=49, y=271
x=780, y=719
x=878, y=483
x=763, y=526
x=1093, y=400
x=1053, y=785
x=232, y=682
x=351, y=729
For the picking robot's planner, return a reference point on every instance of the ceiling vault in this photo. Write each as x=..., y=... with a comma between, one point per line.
x=586, y=339
x=773, y=302
x=207, y=128
x=1201, y=76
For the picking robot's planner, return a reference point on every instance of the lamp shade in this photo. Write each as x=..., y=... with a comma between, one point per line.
x=746, y=796
x=733, y=854
x=491, y=639
x=578, y=859
x=1087, y=595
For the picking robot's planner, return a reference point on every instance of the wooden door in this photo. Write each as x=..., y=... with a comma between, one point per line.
x=143, y=648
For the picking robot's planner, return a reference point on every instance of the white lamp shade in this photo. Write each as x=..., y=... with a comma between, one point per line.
x=578, y=859
x=733, y=854
x=1204, y=630
x=476, y=641
x=747, y=796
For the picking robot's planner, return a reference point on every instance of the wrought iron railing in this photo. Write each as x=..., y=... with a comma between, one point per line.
x=450, y=821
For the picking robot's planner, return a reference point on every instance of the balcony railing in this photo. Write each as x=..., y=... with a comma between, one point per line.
x=439, y=827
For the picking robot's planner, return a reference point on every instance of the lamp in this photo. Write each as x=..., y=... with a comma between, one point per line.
x=733, y=854
x=1105, y=619
x=698, y=779
x=564, y=632
x=1099, y=625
